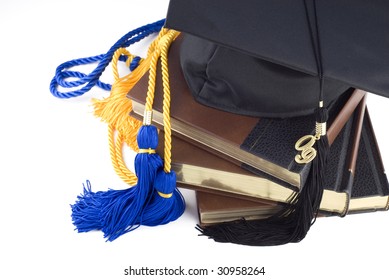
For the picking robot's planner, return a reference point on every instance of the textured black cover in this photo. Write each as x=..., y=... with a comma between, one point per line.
x=274, y=139
x=370, y=178
x=338, y=177
x=353, y=34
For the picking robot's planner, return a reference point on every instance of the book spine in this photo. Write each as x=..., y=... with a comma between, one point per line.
x=348, y=178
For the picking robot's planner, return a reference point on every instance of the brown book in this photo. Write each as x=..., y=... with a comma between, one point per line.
x=213, y=208
x=365, y=184
x=198, y=169
x=260, y=145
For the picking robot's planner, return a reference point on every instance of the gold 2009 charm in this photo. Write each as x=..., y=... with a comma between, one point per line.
x=305, y=146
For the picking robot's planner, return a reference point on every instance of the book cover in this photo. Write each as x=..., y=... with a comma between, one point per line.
x=263, y=144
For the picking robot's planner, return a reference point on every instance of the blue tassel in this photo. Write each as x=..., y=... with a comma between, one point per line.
x=125, y=213
x=117, y=212
x=167, y=203
x=155, y=200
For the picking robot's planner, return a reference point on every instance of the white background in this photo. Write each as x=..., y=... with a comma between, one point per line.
x=49, y=147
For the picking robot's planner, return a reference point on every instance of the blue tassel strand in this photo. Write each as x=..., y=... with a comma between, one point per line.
x=155, y=200
x=86, y=210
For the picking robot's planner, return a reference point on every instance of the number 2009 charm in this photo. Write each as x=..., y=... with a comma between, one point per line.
x=305, y=145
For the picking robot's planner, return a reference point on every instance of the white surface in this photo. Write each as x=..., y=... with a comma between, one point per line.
x=49, y=147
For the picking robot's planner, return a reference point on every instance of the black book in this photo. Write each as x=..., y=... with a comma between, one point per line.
x=371, y=188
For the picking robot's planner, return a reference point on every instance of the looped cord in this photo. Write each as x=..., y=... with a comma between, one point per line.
x=90, y=80
x=131, y=61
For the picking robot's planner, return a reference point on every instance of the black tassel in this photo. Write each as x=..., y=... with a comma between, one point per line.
x=292, y=223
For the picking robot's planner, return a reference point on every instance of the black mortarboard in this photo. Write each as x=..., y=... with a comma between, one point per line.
x=353, y=38
x=281, y=58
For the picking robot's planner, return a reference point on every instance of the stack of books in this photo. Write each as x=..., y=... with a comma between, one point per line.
x=243, y=166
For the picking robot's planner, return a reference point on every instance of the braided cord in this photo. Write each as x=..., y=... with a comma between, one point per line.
x=163, y=41
x=132, y=61
x=115, y=148
x=166, y=101
x=152, y=78
x=92, y=79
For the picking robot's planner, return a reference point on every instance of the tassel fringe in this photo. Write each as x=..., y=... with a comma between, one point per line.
x=289, y=225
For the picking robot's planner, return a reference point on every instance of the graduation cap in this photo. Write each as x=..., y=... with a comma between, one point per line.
x=282, y=59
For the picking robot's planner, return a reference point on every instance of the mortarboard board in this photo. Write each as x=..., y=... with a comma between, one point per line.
x=353, y=35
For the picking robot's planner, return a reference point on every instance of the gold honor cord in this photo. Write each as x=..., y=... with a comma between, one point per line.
x=119, y=136
x=166, y=102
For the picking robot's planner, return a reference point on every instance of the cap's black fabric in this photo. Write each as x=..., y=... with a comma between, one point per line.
x=226, y=79
x=353, y=34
